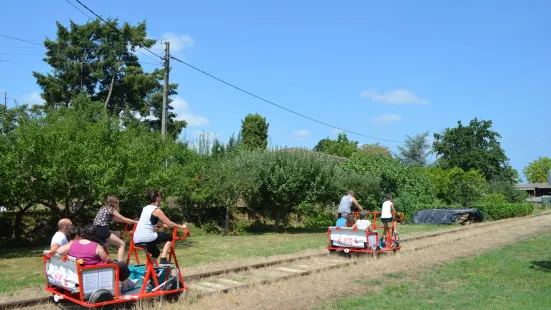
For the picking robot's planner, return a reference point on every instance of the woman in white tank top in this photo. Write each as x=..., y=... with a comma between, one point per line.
x=145, y=232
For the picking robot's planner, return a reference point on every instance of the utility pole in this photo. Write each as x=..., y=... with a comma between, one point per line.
x=5, y=100
x=165, y=88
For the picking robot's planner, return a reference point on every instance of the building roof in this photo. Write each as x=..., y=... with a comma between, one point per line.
x=532, y=186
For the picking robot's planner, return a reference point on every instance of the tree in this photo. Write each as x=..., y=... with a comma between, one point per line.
x=410, y=186
x=457, y=187
x=18, y=189
x=254, y=132
x=375, y=149
x=68, y=162
x=472, y=147
x=289, y=178
x=233, y=178
x=415, y=151
x=536, y=171
x=99, y=60
x=218, y=148
x=340, y=147
x=232, y=144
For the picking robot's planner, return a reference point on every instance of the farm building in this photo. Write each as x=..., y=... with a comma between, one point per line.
x=536, y=191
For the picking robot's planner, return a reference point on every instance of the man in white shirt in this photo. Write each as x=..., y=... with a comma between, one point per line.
x=60, y=237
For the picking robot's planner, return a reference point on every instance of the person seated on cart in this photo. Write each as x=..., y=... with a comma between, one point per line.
x=60, y=237
x=350, y=221
x=341, y=222
x=363, y=223
x=92, y=254
x=145, y=232
x=107, y=213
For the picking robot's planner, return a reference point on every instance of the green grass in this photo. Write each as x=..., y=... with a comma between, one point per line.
x=516, y=276
x=20, y=268
x=541, y=210
x=413, y=228
x=209, y=248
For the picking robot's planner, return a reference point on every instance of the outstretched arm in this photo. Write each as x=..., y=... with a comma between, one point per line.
x=162, y=217
x=355, y=202
x=117, y=217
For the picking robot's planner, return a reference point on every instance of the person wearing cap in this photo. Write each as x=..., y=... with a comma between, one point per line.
x=345, y=206
x=363, y=223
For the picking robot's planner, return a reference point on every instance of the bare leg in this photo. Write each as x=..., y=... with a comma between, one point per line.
x=385, y=236
x=125, y=284
x=114, y=240
x=165, y=249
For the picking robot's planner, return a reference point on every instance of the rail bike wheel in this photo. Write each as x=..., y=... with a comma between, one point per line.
x=101, y=296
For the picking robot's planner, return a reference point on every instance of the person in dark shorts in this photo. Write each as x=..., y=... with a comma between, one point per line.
x=145, y=232
x=107, y=213
x=386, y=215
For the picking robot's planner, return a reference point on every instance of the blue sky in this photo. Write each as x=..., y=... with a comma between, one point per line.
x=382, y=68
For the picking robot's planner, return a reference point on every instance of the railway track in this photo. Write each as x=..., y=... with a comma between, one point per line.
x=226, y=280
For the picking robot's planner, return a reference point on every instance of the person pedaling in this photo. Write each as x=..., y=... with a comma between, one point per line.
x=107, y=213
x=145, y=233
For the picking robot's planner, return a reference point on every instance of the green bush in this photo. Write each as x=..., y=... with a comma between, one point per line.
x=410, y=186
x=503, y=210
x=507, y=189
x=315, y=215
x=456, y=186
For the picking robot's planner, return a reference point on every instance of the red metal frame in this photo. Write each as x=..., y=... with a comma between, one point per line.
x=132, y=248
x=390, y=234
x=79, y=297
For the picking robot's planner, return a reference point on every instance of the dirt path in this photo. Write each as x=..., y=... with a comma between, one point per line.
x=305, y=292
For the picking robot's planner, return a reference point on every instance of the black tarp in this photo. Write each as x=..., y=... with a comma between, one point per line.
x=444, y=216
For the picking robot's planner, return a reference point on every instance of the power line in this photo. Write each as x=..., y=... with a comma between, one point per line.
x=5, y=36
x=90, y=18
x=247, y=92
x=144, y=54
x=279, y=106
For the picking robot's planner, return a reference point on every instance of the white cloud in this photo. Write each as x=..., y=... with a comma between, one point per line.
x=387, y=118
x=178, y=42
x=182, y=110
x=31, y=99
x=300, y=134
x=397, y=96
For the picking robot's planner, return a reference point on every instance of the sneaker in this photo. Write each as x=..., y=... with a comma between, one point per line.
x=164, y=261
x=131, y=285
